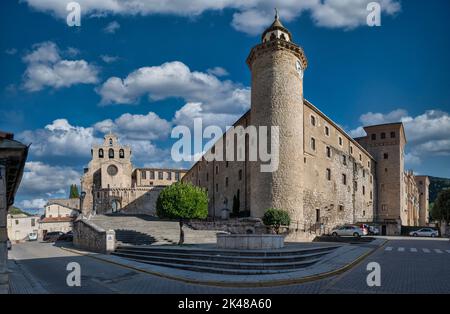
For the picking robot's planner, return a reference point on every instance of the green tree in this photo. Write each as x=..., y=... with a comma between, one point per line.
x=276, y=218
x=441, y=207
x=182, y=201
x=74, y=191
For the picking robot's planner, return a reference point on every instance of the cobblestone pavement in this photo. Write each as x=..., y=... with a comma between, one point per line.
x=407, y=266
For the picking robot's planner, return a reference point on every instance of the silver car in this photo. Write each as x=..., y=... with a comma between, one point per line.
x=347, y=231
x=424, y=232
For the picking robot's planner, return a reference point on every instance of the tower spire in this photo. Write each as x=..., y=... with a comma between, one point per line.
x=277, y=17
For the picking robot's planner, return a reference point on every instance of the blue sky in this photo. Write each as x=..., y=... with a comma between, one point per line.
x=142, y=70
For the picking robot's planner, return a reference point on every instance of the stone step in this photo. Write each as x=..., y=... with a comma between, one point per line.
x=225, y=257
x=219, y=264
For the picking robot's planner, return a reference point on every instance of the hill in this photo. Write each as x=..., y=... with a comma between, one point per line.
x=437, y=185
x=16, y=211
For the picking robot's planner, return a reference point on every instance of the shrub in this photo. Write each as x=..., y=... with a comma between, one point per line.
x=276, y=218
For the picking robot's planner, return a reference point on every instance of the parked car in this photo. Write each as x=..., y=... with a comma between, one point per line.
x=32, y=236
x=373, y=230
x=8, y=244
x=66, y=237
x=52, y=236
x=424, y=232
x=347, y=231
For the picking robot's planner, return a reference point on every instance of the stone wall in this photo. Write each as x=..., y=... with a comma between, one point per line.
x=3, y=234
x=88, y=236
x=234, y=226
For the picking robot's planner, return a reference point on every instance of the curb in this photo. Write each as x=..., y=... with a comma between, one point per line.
x=237, y=284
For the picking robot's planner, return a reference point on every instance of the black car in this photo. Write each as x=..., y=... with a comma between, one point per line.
x=52, y=236
x=68, y=237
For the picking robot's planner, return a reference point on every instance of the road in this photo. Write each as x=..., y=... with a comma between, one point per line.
x=408, y=265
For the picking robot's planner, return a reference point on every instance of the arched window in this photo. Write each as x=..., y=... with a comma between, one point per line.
x=100, y=153
x=110, y=142
x=283, y=37
x=273, y=36
x=111, y=153
x=121, y=153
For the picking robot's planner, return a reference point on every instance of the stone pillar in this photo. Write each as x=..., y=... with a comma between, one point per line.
x=110, y=241
x=4, y=285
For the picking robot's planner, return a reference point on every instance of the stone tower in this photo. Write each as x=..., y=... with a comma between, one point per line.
x=277, y=66
x=110, y=168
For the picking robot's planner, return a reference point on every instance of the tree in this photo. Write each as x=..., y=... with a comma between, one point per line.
x=441, y=207
x=182, y=201
x=276, y=218
x=74, y=191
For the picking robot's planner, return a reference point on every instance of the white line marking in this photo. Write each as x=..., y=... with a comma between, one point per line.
x=413, y=249
x=426, y=250
x=438, y=251
x=401, y=249
x=388, y=248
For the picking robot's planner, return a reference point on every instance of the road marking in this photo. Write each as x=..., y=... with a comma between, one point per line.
x=426, y=250
x=413, y=249
x=438, y=251
x=388, y=248
x=401, y=249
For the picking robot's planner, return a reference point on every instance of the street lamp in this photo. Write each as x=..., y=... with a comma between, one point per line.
x=82, y=196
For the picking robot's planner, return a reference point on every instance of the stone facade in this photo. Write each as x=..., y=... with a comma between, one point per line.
x=423, y=184
x=112, y=184
x=325, y=177
x=20, y=226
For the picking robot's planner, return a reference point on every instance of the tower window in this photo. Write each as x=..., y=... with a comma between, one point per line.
x=374, y=137
x=100, y=153
x=392, y=134
x=340, y=140
x=313, y=143
x=344, y=160
x=217, y=169
x=328, y=152
x=111, y=153
x=240, y=174
x=121, y=153
x=385, y=155
x=110, y=142
x=313, y=120
x=328, y=174
x=351, y=149
x=283, y=37
x=364, y=190
x=383, y=135
x=344, y=179
x=327, y=131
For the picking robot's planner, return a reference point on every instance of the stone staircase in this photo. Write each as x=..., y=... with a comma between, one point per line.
x=229, y=262
x=148, y=230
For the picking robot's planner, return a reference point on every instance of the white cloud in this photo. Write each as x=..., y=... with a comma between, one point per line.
x=427, y=134
x=250, y=16
x=46, y=68
x=109, y=59
x=36, y=203
x=176, y=80
x=40, y=178
x=11, y=51
x=59, y=138
x=112, y=27
x=136, y=126
x=217, y=71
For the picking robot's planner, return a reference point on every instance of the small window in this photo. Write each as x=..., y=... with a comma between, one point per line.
x=368, y=164
x=385, y=155
x=328, y=152
x=213, y=149
x=169, y=175
x=384, y=208
x=364, y=190
x=110, y=142
x=111, y=153
x=344, y=179
x=152, y=175
x=327, y=131
x=364, y=173
x=226, y=181
x=313, y=143
x=371, y=195
x=313, y=120
x=328, y=174
x=144, y=174
x=177, y=176
x=355, y=186
x=383, y=135
x=226, y=164
x=341, y=207
x=217, y=169
x=374, y=137
x=344, y=159
x=360, y=157
x=351, y=149
x=240, y=174
x=100, y=153
x=340, y=140
x=121, y=153
x=392, y=134
x=160, y=175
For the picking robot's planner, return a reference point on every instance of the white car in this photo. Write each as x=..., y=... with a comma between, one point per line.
x=424, y=232
x=8, y=244
x=32, y=236
x=347, y=231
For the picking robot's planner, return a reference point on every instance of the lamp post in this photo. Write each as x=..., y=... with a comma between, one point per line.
x=82, y=196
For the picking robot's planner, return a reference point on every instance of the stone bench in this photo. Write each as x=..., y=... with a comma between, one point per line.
x=250, y=241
